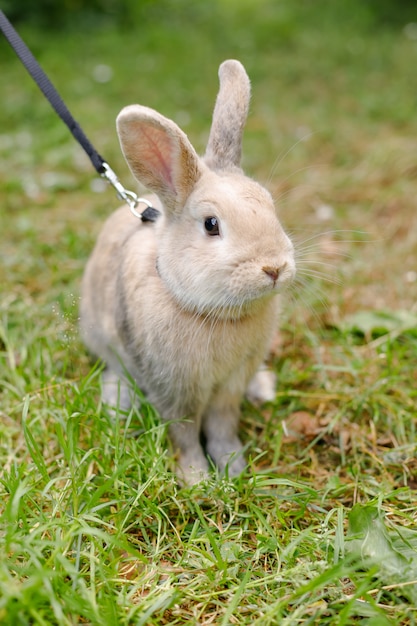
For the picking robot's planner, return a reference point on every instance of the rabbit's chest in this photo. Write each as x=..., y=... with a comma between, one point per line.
x=201, y=355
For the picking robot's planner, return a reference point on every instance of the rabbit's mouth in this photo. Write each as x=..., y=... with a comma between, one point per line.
x=234, y=306
x=251, y=280
x=231, y=293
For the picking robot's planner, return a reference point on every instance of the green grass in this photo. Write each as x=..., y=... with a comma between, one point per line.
x=93, y=528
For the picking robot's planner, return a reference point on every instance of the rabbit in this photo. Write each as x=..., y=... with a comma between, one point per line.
x=186, y=304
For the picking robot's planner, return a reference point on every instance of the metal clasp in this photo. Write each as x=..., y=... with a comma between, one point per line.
x=150, y=214
x=123, y=194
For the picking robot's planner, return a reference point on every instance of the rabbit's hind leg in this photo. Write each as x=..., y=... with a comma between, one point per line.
x=262, y=387
x=115, y=391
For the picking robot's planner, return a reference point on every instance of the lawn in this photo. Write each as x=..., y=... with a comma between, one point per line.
x=322, y=527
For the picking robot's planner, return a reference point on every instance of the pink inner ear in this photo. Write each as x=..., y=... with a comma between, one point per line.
x=157, y=152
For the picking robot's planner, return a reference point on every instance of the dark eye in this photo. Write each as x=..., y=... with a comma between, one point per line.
x=211, y=224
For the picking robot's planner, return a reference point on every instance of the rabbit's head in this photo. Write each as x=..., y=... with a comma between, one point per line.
x=221, y=249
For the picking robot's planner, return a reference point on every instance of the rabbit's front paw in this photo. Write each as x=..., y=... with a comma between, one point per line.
x=227, y=454
x=192, y=468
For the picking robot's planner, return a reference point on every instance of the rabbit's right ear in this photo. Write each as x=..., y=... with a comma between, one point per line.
x=159, y=154
x=224, y=145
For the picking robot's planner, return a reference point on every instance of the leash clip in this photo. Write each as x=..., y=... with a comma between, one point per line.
x=123, y=194
x=150, y=214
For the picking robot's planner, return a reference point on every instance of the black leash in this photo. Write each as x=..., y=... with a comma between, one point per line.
x=41, y=79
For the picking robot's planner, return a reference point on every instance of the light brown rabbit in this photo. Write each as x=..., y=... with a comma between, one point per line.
x=187, y=304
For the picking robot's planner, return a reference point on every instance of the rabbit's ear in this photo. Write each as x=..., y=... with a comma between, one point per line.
x=224, y=145
x=159, y=154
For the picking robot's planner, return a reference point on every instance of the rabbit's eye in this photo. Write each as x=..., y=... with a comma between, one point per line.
x=211, y=225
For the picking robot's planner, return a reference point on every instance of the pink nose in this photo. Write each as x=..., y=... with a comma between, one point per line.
x=273, y=272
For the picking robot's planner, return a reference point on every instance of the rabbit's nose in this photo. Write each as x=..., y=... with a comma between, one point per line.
x=273, y=272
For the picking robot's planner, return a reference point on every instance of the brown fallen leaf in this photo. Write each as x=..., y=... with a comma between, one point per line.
x=301, y=424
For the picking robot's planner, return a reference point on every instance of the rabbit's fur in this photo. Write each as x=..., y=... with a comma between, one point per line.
x=187, y=313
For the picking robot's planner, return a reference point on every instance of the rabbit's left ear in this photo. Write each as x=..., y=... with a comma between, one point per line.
x=159, y=154
x=224, y=145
